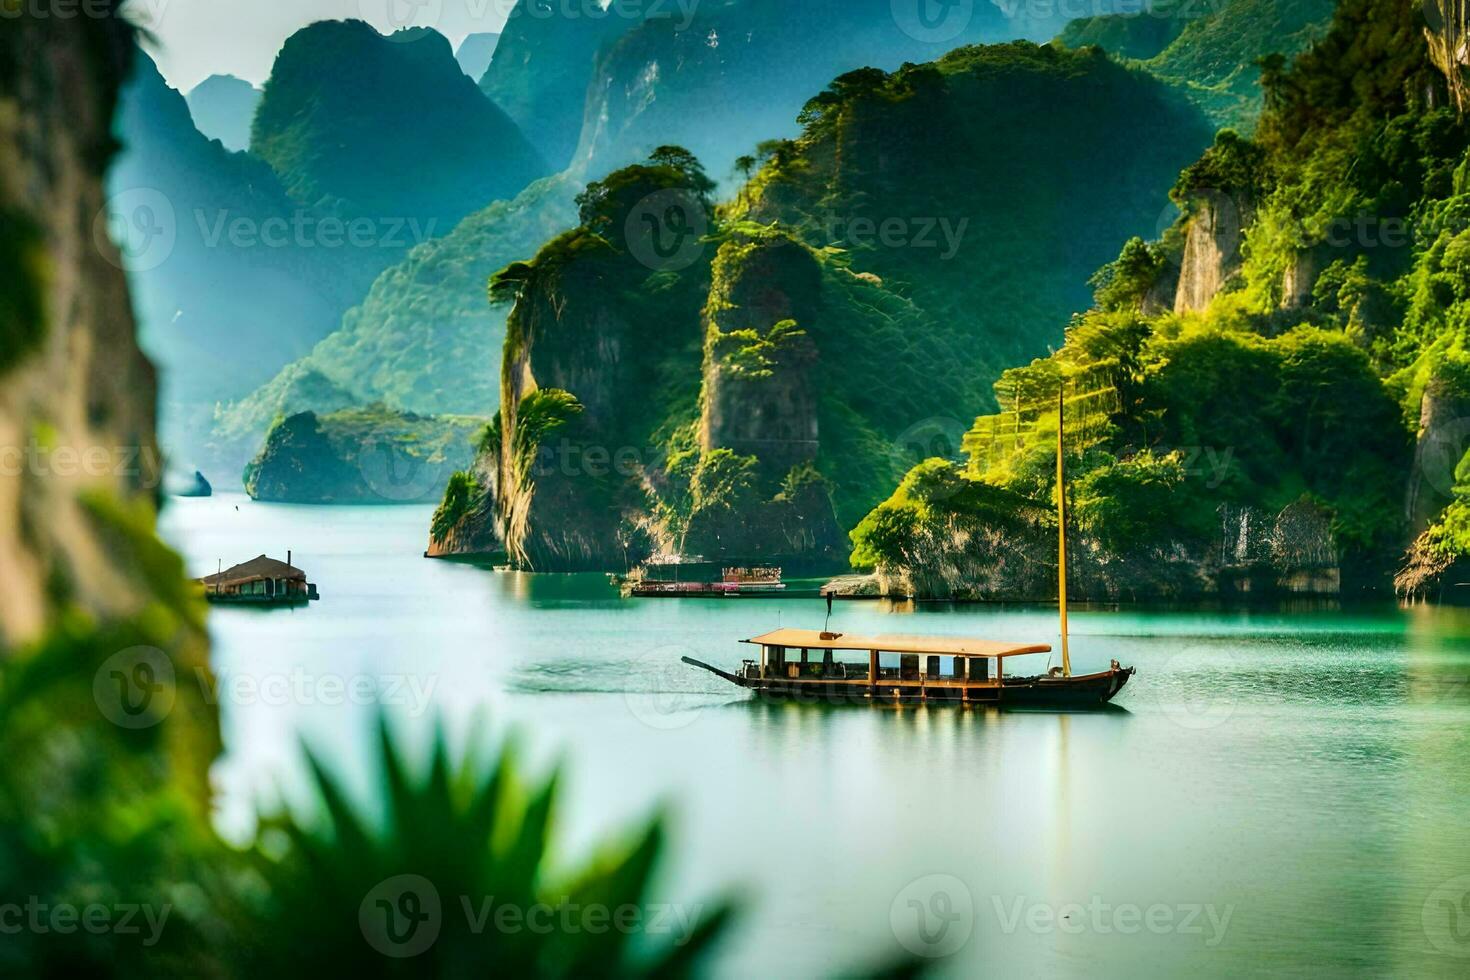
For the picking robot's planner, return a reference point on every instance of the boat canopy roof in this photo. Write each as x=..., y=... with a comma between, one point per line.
x=949, y=646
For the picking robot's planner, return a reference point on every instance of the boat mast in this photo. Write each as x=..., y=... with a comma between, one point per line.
x=1062, y=525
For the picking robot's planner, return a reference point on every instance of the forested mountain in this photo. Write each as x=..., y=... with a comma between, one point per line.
x=1270, y=397
x=424, y=338
x=220, y=308
x=754, y=364
x=1210, y=50
x=743, y=67
x=387, y=129
x=223, y=108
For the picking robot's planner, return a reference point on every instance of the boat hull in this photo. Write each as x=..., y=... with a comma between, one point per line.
x=1082, y=692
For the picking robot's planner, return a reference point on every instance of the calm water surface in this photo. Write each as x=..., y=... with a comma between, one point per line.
x=1285, y=792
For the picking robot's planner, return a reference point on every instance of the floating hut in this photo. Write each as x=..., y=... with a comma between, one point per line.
x=261, y=580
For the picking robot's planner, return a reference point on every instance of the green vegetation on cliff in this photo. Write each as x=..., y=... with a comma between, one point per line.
x=830, y=326
x=960, y=187
x=1210, y=50
x=1272, y=427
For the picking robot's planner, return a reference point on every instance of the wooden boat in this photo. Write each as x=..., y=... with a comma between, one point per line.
x=976, y=672
x=807, y=665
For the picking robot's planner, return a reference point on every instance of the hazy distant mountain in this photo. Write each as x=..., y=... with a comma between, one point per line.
x=424, y=337
x=223, y=107
x=540, y=74
x=739, y=71
x=717, y=76
x=475, y=52
x=230, y=278
x=387, y=129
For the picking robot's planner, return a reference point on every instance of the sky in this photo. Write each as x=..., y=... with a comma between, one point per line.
x=199, y=38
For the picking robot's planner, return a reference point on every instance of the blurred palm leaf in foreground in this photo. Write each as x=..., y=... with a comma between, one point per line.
x=452, y=880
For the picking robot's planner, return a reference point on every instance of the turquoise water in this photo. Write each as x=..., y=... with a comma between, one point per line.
x=1282, y=791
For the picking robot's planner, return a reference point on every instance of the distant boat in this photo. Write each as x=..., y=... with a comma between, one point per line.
x=787, y=670
x=262, y=581
x=734, y=581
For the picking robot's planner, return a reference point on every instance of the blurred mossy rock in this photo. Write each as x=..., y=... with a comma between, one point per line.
x=92, y=604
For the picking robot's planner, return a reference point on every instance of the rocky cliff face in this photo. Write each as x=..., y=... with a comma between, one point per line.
x=1257, y=554
x=1298, y=280
x=1446, y=32
x=77, y=399
x=759, y=392
x=90, y=598
x=1443, y=441
x=1213, y=236
x=563, y=501
x=684, y=79
x=539, y=76
x=223, y=108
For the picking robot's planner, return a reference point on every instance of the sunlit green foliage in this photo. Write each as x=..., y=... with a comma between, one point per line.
x=460, y=497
